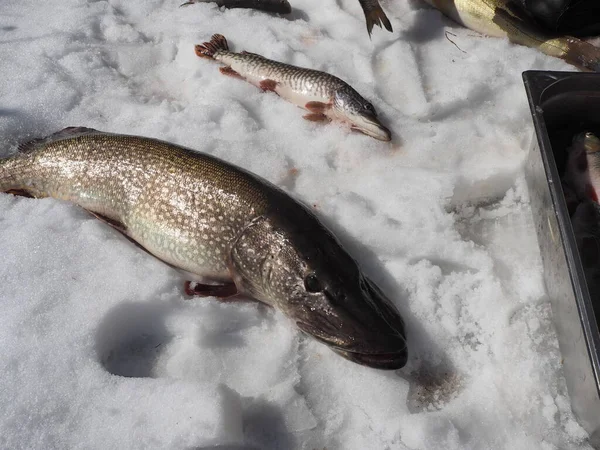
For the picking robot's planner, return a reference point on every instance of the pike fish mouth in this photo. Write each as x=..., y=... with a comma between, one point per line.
x=371, y=126
x=391, y=356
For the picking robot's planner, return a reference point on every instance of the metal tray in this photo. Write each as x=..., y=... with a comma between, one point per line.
x=563, y=104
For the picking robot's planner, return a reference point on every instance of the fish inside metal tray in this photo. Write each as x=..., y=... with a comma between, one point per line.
x=581, y=186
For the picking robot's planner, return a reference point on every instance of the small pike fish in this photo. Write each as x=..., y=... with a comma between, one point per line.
x=505, y=18
x=374, y=15
x=325, y=97
x=220, y=223
x=583, y=166
x=274, y=6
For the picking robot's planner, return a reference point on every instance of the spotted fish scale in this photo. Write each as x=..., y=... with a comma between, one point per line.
x=184, y=207
x=317, y=85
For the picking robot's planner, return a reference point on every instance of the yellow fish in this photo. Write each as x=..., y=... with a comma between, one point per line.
x=505, y=18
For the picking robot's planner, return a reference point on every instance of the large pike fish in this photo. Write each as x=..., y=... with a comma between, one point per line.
x=505, y=18
x=221, y=224
x=324, y=96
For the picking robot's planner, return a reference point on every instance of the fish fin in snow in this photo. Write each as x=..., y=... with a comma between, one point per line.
x=230, y=72
x=113, y=223
x=376, y=16
x=268, y=85
x=221, y=291
x=20, y=193
x=68, y=132
x=216, y=44
x=121, y=228
x=315, y=117
x=317, y=107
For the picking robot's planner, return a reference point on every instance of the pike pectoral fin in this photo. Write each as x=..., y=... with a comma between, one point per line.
x=317, y=107
x=20, y=193
x=113, y=223
x=230, y=72
x=121, y=228
x=268, y=85
x=316, y=117
x=221, y=291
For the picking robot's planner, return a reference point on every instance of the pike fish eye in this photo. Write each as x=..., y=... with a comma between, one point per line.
x=312, y=283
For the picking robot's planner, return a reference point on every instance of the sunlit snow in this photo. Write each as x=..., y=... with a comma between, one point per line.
x=100, y=349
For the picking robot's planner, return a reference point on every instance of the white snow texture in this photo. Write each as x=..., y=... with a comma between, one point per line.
x=100, y=349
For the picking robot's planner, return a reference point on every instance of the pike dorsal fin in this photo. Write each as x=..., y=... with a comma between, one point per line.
x=70, y=131
x=31, y=145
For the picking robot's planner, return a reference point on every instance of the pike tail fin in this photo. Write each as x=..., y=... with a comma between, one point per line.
x=376, y=16
x=217, y=44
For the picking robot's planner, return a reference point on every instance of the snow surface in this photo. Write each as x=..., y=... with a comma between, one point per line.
x=101, y=350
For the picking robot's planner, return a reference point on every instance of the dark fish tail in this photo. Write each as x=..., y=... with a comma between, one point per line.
x=276, y=6
x=374, y=15
x=208, y=50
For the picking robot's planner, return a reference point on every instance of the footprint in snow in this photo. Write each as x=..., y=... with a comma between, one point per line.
x=131, y=337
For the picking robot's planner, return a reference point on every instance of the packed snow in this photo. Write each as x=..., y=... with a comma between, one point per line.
x=100, y=347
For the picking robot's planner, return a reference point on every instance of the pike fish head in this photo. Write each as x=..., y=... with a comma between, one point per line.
x=361, y=114
x=307, y=274
x=583, y=166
